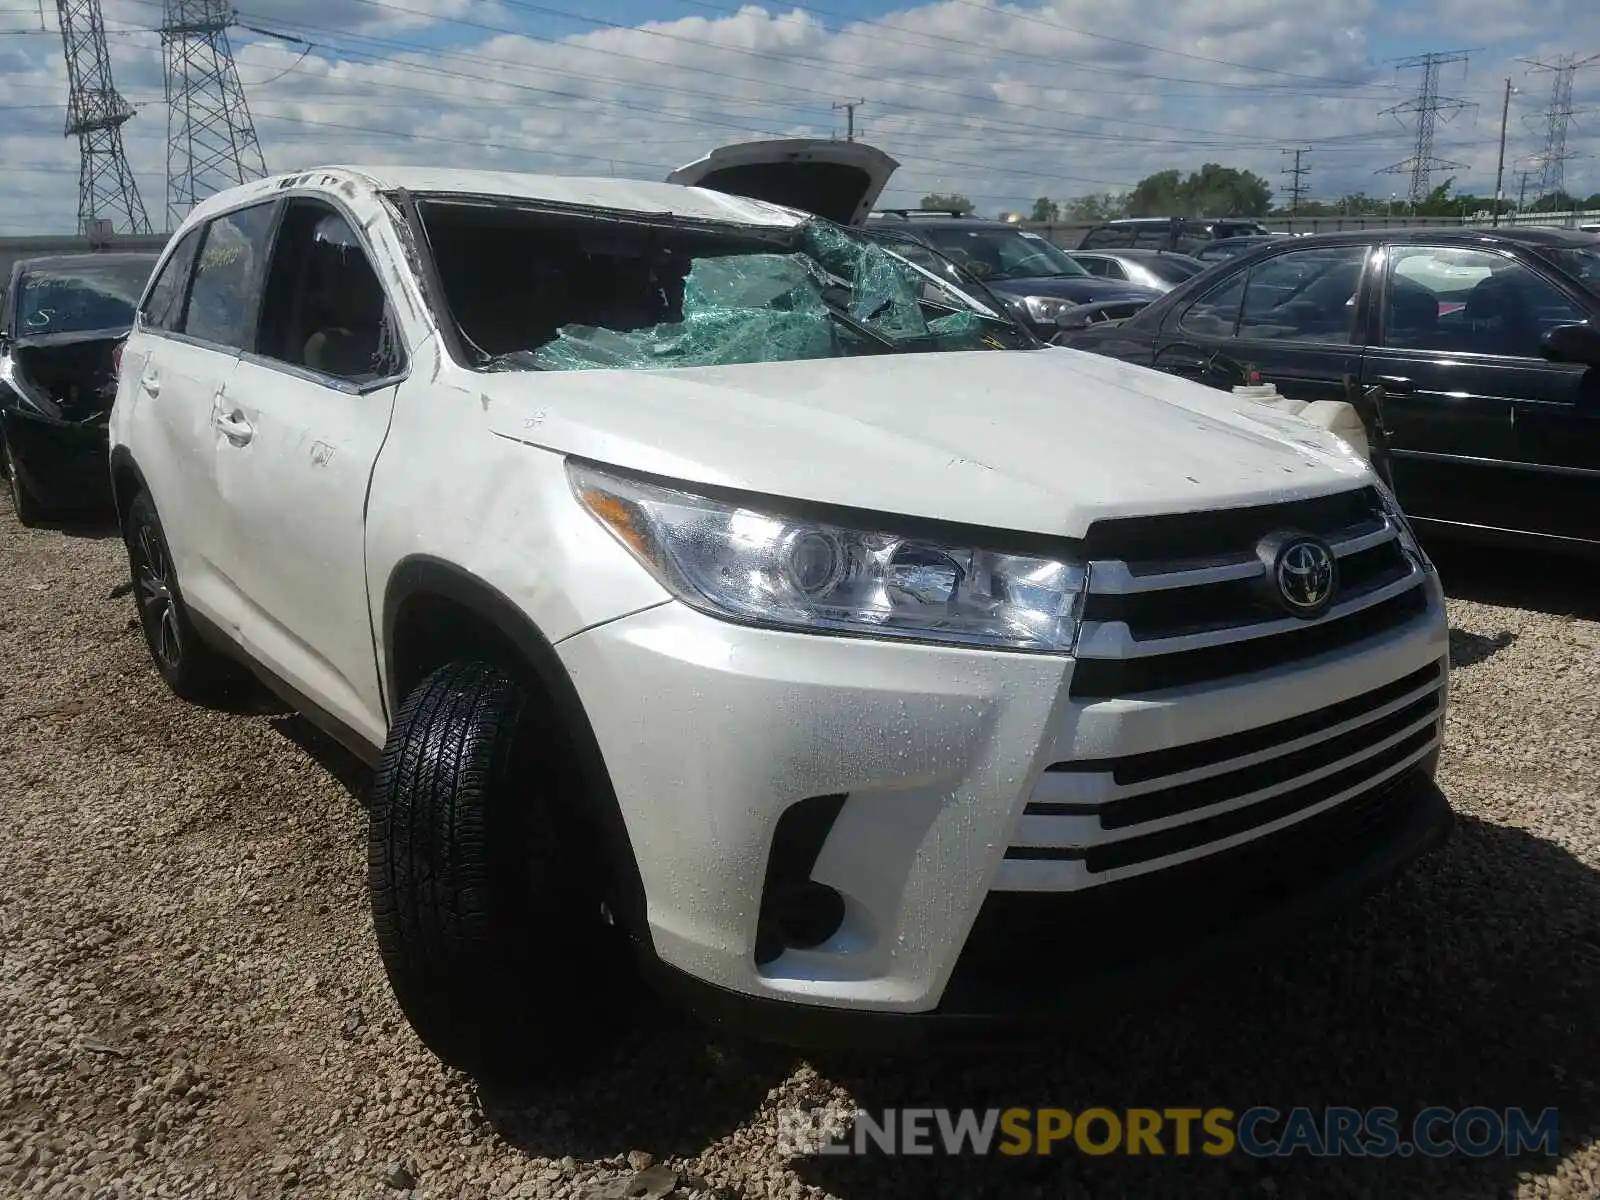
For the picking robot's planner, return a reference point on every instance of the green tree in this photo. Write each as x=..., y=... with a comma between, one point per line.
x=1212, y=191
x=1045, y=210
x=1103, y=206
x=1439, y=202
x=1555, y=202
x=1593, y=201
x=1218, y=191
x=1158, y=195
x=1359, y=204
x=949, y=203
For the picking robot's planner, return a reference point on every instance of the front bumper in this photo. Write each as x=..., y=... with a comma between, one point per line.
x=67, y=466
x=1031, y=966
x=712, y=731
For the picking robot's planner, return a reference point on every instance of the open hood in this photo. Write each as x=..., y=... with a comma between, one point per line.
x=838, y=181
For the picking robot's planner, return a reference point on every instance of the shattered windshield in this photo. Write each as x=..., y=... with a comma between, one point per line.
x=1003, y=252
x=79, y=299
x=553, y=292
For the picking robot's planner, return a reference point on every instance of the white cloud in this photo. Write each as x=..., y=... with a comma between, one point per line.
x=1002, y=103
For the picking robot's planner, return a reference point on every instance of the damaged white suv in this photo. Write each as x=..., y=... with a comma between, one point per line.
x=722, y=602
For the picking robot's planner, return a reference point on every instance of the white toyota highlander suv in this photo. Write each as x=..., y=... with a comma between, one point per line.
x=723, y=602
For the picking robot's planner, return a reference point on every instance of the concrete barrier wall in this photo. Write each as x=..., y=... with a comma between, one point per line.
x=14, y=248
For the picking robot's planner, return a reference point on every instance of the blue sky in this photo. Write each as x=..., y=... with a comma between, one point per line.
x=1003, y=103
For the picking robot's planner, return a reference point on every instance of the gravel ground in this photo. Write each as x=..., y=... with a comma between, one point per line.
x=191, y=1004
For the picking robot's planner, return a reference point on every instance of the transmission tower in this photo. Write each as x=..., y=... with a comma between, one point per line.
x=1427, y=104
x=96, y=113
x=1297, y=189
x=211, y=141
x=1558, y=117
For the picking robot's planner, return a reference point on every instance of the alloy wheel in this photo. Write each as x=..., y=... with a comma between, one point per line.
x=155, y=596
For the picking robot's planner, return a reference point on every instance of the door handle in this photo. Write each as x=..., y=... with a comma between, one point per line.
x=235, y=428
x=151, y=383
x=1397, y=385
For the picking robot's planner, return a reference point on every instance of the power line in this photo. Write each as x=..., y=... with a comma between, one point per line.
x=1427, y=104
x=96, y=113
x=1558, y=117
x=211, y=140
x=1297, y=173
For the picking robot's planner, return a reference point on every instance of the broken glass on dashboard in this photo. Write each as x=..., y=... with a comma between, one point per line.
x=532, y=291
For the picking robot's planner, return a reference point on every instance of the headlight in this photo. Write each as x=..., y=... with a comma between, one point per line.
x=1045, y=309
x=765, y=568
x=1408, y=536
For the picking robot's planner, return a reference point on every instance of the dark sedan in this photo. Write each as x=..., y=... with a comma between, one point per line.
x=60, y=325
x=1038, y=281
x=1472, y=356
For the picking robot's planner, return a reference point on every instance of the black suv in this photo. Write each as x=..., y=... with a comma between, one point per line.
x=1183, y=234
x=1036, y=279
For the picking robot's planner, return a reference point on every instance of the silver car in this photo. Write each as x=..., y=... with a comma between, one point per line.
x=1159, y=269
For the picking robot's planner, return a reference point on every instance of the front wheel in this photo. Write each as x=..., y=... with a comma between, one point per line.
x=485, y=901
x=30, y=512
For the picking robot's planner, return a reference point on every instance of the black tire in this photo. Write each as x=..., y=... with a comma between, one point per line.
x=191, y=668
x=30, y=512
x=485, y=902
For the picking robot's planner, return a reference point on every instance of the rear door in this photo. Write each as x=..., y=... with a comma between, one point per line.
x=839, y=181
x=1291, y=316
x=1482, y=431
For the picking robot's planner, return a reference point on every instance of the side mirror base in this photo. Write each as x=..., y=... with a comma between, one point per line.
x=1572, y=344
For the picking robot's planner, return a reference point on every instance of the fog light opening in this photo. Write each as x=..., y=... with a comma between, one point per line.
x=798, y=916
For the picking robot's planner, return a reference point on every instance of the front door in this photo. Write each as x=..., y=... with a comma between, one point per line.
x=1482, y=432
x=1292, y=317
x=300, y=427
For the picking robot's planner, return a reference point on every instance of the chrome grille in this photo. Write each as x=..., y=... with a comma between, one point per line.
x=1094, y=821
x=1179, y=600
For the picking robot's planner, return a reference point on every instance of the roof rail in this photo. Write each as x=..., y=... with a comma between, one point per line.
x=907, y=213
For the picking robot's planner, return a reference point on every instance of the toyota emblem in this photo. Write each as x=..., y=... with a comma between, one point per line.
x=1303, y=571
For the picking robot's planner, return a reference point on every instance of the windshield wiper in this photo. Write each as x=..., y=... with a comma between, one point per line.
x=513, y=360
x=841, y=313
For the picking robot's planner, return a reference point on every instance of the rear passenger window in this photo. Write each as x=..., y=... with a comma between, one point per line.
x=228, y=277
x=1465, y=300
x=163, y=307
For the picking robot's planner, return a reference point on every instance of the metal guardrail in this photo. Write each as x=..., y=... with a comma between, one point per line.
x=1068, y=234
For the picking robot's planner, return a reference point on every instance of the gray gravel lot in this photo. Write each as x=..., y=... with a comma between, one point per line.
x=191, y=1004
